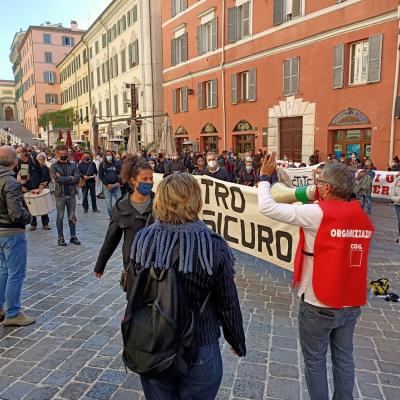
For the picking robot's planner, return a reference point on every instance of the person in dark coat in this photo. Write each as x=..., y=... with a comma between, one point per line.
x=163, y=166
x=88, y=171
x=177, y=164
x=130, y=214
x=213, y=169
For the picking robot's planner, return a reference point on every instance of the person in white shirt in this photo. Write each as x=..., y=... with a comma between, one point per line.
x=330, y=268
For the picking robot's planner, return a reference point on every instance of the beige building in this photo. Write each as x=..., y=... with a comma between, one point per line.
x=74, y=73
x=8, y=111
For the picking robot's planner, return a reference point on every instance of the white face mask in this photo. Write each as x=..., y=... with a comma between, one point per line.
x=212, y=164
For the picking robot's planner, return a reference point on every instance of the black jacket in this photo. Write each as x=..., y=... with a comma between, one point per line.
x=13, y=210
x=68, y=179
x=88, y=169
x=109, y=172
x=127, y=221
x=34, y=173
x=44, y=174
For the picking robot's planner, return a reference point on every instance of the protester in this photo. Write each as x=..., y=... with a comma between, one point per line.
x=45, y=181
x=317, y=171
x=363, y=189
x=200, y=165
x=99, y=184
x=163, y=166
x=109, y=174
x=14, y=216
x=177, y=164
x=249, y=175
x=395, y=164
x=395, y=197
x=87, y=174
x=206, y=278
x=130, y=214
x=331, y=268
x=66, y=176
x=213, y=169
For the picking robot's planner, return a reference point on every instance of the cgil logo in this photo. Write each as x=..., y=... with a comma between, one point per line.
x=351, y=233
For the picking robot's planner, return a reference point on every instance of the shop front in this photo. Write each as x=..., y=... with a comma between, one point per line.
x=244, y=137
x=209, y=138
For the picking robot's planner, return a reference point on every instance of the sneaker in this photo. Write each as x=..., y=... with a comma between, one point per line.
x=96, y=211
x=32, y=228
x=74, y=240
x=46, y=228
x=61, y=242
x=2, y=314
x=19, y=320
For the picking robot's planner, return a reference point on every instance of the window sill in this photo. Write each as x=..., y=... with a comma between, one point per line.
x=358, y=84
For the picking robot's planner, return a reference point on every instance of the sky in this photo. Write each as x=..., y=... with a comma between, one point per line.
x=17, y=14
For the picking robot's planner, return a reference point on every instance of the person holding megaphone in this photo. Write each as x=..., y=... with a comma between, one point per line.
x=330, y=268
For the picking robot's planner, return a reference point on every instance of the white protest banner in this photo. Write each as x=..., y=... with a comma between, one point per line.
x=382, y=183
x=299, y=176
x=231, y=210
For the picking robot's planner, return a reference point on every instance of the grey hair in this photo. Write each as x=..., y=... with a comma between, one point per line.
x=341, y=178
x=211, y=153
x=7, y=156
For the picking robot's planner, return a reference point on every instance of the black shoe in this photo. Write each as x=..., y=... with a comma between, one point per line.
x=398, y=240
x=74, y=240
x=61, y=242
x=32, y=228
x=96, y=211
x=85, y=211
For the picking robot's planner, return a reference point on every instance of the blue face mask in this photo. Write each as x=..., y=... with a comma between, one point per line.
x=145, y=188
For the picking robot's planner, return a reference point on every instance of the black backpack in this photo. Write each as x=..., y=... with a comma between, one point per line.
x=159, y=330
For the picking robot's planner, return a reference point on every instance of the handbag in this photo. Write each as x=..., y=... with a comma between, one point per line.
x=82, y=183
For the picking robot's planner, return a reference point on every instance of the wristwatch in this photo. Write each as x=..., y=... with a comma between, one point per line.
x=265, y=178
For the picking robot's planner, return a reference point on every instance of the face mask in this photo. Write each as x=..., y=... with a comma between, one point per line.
x=64, y=158
x=19, y=156
x=145, y=188
x=249, y=168
x=175, y=158
x=109, y=158
x=87, y=158
x=152, y=166
x=212, y=164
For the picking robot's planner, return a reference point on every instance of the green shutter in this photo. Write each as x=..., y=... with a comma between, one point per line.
x=232, y=25
x=252, y=84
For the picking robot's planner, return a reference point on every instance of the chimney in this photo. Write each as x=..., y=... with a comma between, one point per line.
x=74, y=25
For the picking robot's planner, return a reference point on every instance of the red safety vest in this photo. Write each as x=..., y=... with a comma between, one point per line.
x=340, y=255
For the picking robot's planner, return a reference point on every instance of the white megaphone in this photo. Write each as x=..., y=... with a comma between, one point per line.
x=284, y=194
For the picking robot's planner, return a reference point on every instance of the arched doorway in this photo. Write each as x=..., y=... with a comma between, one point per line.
x=9, y=113
x=351, y=133
x=181, y=135
x=244, y=137
x=209, y=138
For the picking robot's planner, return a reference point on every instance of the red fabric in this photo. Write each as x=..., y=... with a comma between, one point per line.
x=340, y=263
x=298, y=259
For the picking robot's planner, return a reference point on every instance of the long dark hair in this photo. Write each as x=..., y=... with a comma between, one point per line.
x=132, y=167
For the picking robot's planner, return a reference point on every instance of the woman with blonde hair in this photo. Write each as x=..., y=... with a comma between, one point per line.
x=203, y=265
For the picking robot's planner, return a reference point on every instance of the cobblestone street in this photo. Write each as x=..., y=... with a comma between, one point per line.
x=73, y=351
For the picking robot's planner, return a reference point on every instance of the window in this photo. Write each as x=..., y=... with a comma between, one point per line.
x=104, y=40
x=286, y=10
x=67, y=41
x=103, y=72
x=49, y=77
x=180, y=100
x=100, y=110
x=108, y=108
x=84, y=56
x=123, y=23
x=207, y=93
x=91, y=52
x=51, y=98
x=291, y=76
x=92, y=80
x=96, y=47
x=133, y=54
x=178, y=6
x=134, y=14
x=207, y=37
x=238, y=22
x=179, y=49
x=48, y=57
x=123, y=61
x=116, y=105
x=115, y=62
x=98, y=76
x=244, y=86
x=46, y=38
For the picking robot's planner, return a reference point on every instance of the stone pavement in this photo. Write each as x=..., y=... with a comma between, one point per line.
x=73, y=351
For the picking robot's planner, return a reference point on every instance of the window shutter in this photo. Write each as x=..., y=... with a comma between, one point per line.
x=214, y=93
x=246, y=19
x=45, y=77
x=136, y=51
x=296, y=8
x=286, y=77
x=184, y=94
x=130, y=55
x=199, y=40
x=232, y=25
x=183, y=5
x=214, y=37
x=338, y=66
x=134, y=13
x=234, y=91
x=200, y=95
x=294, y=86
x=47, y=98
x=279, y=12
x=374, y=58
x=174, y=101
x=173, y=52
x=184, y=47
x=252, y=84
x=173, y=8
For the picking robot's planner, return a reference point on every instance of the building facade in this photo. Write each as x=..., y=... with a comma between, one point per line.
x=15, y=58
x=8, y=109
x=125, y=47
x=74, y=72
x=292, y=76
x=41, y=49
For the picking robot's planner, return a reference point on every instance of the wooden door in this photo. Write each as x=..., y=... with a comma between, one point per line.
x=9, y=114
x=291, y=130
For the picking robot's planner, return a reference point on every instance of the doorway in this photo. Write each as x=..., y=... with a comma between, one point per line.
x=352, y=141
x=291, y=131
x=9, y=114
x=245, y=143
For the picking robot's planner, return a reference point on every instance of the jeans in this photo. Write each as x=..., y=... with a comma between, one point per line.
x=45, y=220
x=70, y=203
x=319, y=328
x=365, y=199
x=90, y=187
x=397, y=209
x=109, y=194
x=13, y=255
x=201, y=383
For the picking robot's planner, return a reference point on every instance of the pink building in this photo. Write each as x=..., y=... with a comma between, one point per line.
x=41, y=49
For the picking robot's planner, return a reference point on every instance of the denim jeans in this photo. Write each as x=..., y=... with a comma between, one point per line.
x=13, y=255
x=45, y=220
x=69, y=203
x=90, y=187
x=109, y=194
x=397, y=208
x=365, y=199
x=319, y=328
x=201, y=383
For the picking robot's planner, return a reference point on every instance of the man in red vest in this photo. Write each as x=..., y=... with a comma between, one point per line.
x=331, y=271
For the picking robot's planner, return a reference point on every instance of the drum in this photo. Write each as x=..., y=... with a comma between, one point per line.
x=39, y=202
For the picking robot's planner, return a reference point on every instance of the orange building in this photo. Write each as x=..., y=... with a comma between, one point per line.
x=286, y=75
x=41, y=49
